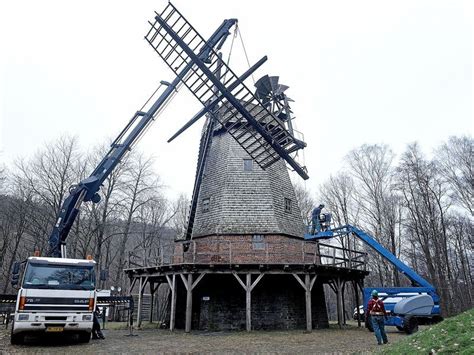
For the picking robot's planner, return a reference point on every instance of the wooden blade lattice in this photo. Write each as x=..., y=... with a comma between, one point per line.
x=262, y=135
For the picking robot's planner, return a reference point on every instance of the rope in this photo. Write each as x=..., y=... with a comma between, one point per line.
x=230, y=51
x=245, y=52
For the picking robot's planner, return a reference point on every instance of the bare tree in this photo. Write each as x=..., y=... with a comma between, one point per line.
x=179, y=221
x=455, y=159
x=305, y=202
x=371, y=167
x=140, y=185
x=424, y=194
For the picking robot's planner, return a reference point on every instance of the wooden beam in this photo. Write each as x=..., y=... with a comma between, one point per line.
x=313, y=280
x=240, y=281
x=152, y=300
x=189, y=302
x=356, y=294
x=132, y=285
x=140, y=301
x=309, y=320
x=299, y=281
x=185, y=282
x=339, y=301
x=256, y=281
x=197, y=280
x=172, y=284
x=248, y=302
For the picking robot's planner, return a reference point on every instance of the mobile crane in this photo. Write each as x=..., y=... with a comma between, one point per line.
x=58, y=294
x=406, y=306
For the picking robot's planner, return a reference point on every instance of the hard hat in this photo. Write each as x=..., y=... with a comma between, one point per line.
x=375, y=293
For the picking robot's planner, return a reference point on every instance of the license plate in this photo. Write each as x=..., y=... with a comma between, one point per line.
x=54, y=329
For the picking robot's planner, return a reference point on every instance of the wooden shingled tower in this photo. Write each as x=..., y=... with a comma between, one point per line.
x=238, y=197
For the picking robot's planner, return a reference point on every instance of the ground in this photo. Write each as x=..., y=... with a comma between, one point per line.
x=334, y=340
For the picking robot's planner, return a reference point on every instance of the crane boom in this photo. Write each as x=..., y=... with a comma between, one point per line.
x=87, y=189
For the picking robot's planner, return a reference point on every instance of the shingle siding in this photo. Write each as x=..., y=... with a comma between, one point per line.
x=244, y=202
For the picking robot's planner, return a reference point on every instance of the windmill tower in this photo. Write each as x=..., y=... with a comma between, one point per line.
x=243, y=262
x=233, y=195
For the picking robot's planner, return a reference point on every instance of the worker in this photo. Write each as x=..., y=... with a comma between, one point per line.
x=315, y=219
x=376, y=311
x=96, y=332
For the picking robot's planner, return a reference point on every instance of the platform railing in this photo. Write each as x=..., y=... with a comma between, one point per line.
x=247, y=252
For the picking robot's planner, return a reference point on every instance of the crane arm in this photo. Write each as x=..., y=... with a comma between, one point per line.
x=87, y=189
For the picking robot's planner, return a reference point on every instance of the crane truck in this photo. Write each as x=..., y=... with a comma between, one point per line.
x=58, y=294
x=406, y=306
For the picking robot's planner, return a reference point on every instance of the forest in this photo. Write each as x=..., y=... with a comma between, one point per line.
x=419, y=206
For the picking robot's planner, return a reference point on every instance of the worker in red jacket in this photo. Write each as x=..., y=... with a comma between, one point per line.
x=376, y=312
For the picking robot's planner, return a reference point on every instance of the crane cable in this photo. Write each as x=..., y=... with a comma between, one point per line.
x=245, y=51
x=230, y=50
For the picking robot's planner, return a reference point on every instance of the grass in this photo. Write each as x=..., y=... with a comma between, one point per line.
x=454, y=335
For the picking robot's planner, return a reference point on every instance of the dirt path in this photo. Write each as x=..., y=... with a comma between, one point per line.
x=333, y=340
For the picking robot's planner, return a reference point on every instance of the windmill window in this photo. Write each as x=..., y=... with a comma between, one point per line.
x=258, y=242
x=248, y=165
x=287, y=205
x=205, y=204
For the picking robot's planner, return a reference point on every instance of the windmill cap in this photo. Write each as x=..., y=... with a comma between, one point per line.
x=375, y=293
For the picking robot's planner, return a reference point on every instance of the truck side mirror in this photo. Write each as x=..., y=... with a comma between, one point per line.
x=15, y=273
x=104, y=275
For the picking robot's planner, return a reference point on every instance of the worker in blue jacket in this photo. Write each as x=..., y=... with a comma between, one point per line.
x=315, y=222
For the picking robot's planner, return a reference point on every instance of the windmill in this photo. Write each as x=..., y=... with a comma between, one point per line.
x=260, y=122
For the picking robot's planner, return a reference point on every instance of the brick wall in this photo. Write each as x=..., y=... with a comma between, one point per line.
x=235, y=249
x=278, y=302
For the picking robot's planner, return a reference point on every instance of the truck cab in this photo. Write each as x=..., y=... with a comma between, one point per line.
x=56, y=295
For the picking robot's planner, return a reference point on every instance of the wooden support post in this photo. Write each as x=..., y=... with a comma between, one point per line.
x=248, y=286
x=344, y=303
x=188, y=283
x=153, y=290
x=141, y=289
x=248, y=302
x=339, y=301
x=356, y=293
x=189, y=303
x=172, y=284
x=308, y=287
x=309, y=320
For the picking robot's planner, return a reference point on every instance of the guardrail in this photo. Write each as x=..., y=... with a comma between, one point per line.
x=247, y=252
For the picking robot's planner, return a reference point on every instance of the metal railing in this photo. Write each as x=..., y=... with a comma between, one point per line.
x=240, y=252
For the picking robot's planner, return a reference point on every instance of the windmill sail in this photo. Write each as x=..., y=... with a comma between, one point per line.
x=262, y=135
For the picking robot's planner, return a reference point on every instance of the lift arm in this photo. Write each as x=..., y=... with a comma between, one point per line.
x=87, y=189
x=416, y=279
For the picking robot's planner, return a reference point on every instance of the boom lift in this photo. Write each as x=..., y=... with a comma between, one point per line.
x=407, y=306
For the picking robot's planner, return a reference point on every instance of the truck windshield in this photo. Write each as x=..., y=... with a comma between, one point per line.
x=62, y=277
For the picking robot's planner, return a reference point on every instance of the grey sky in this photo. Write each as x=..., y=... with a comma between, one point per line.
x=359, y=71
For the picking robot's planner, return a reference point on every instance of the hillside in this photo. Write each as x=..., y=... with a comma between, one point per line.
x=453, y=335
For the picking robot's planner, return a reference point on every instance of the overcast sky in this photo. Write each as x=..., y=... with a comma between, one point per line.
x=359, y=71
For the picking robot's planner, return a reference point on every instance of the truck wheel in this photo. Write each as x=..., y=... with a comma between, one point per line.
x=84, y=337
x=411, y=325
x=17, y=339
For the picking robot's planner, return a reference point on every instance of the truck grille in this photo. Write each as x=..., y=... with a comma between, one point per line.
x=55, y=318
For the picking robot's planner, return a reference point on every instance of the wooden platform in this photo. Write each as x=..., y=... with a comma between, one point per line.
x=191, y=262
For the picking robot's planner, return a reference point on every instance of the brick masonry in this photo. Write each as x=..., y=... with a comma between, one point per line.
x=278, y=302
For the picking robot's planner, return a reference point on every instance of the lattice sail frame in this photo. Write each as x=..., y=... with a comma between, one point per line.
x=262, y=135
